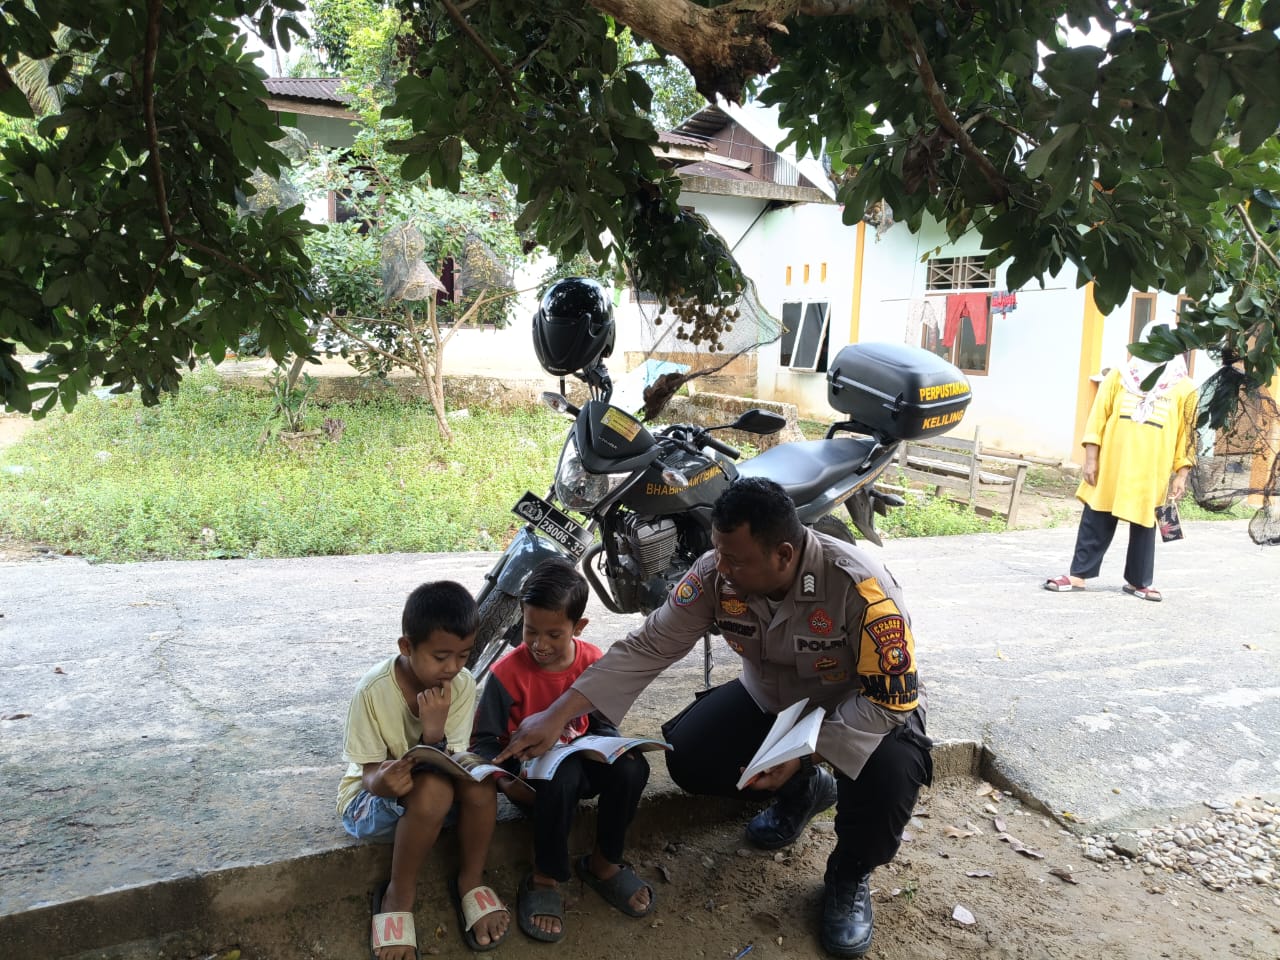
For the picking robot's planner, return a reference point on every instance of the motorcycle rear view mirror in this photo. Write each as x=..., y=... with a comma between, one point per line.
x=759, y=422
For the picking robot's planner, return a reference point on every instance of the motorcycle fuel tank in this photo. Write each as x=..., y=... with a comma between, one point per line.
x=653, y=494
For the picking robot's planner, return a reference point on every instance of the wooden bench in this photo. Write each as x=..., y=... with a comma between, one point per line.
x=954, y=463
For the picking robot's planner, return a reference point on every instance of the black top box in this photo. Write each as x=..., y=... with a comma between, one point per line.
x=895, y=391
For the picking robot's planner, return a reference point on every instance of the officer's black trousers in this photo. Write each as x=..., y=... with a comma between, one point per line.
x=716, y=736
x=1094, y=537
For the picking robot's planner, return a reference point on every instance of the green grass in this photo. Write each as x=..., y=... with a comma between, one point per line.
x=188, y=479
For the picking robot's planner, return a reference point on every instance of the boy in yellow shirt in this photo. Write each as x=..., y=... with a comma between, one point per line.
x=423, y=694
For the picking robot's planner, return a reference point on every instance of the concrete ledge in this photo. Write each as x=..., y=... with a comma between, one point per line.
x=186, y=913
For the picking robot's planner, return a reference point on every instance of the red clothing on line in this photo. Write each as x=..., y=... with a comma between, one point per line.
x=974, y=305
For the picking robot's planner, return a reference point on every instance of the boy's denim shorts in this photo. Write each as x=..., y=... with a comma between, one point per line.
x=374, y=818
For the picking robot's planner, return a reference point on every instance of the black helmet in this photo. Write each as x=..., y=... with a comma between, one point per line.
x=573, y=327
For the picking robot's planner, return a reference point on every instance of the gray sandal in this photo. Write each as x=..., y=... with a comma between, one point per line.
x=618, y=889
x=535, y=901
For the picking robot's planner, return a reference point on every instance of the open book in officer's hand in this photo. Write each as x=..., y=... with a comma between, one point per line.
x=592, y=747
x=464, y=765
x=790, y=737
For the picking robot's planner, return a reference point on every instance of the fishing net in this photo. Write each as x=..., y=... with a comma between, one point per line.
x=665, y=338
x=405, y=276
x=1238, y=457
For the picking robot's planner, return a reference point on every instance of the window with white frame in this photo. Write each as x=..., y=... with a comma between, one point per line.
x=805, y=333
x=959, y=273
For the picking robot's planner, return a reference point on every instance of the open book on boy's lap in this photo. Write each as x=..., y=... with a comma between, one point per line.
x=462, y=765
x=790, y=737
x=591, y=746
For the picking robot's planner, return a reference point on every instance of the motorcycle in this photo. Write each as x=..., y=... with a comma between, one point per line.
x=647, y=495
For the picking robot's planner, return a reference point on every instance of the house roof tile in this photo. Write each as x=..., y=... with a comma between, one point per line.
x=312, y=89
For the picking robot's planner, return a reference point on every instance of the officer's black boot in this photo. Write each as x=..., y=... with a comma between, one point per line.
x=799, y=801
x=846, y=917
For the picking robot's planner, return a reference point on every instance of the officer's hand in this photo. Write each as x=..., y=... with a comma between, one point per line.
x=774, y=777
x=537, y=734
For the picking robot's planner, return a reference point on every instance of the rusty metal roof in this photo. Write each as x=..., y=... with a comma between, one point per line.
x=310, y=89
x=680, y=140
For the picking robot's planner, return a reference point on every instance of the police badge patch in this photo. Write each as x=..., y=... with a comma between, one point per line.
x=687, y=590
x=733, y=606
x=820, y=622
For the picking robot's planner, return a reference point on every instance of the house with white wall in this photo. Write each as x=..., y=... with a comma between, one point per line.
x=1033, y=368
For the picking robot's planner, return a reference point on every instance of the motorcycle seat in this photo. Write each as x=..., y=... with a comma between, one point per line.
x=807, y=468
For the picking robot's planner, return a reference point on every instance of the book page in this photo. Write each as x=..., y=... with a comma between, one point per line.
x=593, y=747
x=798, y=741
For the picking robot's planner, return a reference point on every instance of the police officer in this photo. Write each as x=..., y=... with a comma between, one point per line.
x=810, y=616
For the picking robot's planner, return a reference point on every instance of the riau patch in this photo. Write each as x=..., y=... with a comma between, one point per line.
x=687, y=590
x=820, y=622
x=889, y=634
x=734, y=645
x=808, y=584
x=733, y=606
x=825, y=663
x=835, y=676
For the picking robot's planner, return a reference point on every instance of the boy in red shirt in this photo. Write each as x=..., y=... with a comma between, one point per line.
x=525, y=681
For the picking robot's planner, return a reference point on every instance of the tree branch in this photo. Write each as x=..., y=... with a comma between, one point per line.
x=901, y=18
x=1257, y=237
x=461, y=23
x=154, y=8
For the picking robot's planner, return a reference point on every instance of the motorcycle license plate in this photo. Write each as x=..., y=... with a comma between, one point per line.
x=560, y=527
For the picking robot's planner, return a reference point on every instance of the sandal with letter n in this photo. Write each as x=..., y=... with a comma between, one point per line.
x=472, y=906
x=618, y=889
x=1061, y=584
x=394, y=929
x=1143, y=593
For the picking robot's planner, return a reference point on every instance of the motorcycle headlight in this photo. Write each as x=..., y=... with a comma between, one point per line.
x=576, y=487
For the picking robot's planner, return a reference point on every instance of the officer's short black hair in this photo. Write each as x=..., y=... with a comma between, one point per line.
x=556, y=585
x=764, y=507
x=439, y=605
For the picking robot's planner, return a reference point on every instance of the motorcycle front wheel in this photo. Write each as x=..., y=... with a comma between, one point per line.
x=500, y=620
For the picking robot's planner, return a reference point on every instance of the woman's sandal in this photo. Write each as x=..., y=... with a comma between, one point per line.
x=1144, y=593
x=393, y=929
x=618, y=889
x=1061, y=584
x=535, y=901
x=476, y=903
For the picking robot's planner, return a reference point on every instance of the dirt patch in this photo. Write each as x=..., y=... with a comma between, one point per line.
x=717, y=899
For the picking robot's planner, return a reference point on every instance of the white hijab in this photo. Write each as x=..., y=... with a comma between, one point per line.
x=1137, y=370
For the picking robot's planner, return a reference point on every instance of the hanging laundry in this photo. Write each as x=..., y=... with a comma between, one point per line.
x=920, y=316
x=1004, y=301
x=961, y=305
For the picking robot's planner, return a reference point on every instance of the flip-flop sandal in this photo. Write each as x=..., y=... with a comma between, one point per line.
x=393, y=929
x=1144, y=593
x=535, y=901
x=618, y=889
x=1061, y=584
x=478, y=902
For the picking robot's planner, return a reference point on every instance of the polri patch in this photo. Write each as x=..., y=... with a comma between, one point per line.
x=687, y=590
x=889, y=634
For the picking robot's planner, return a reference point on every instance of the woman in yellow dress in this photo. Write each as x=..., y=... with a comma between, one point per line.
x=1139, y=448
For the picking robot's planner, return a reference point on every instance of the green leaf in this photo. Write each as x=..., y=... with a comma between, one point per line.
x=1261, y=122
x=415, y=165
x=1211, y=108
x=1039, y=157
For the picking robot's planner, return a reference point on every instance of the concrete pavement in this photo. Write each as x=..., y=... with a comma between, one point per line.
x=165, y=721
